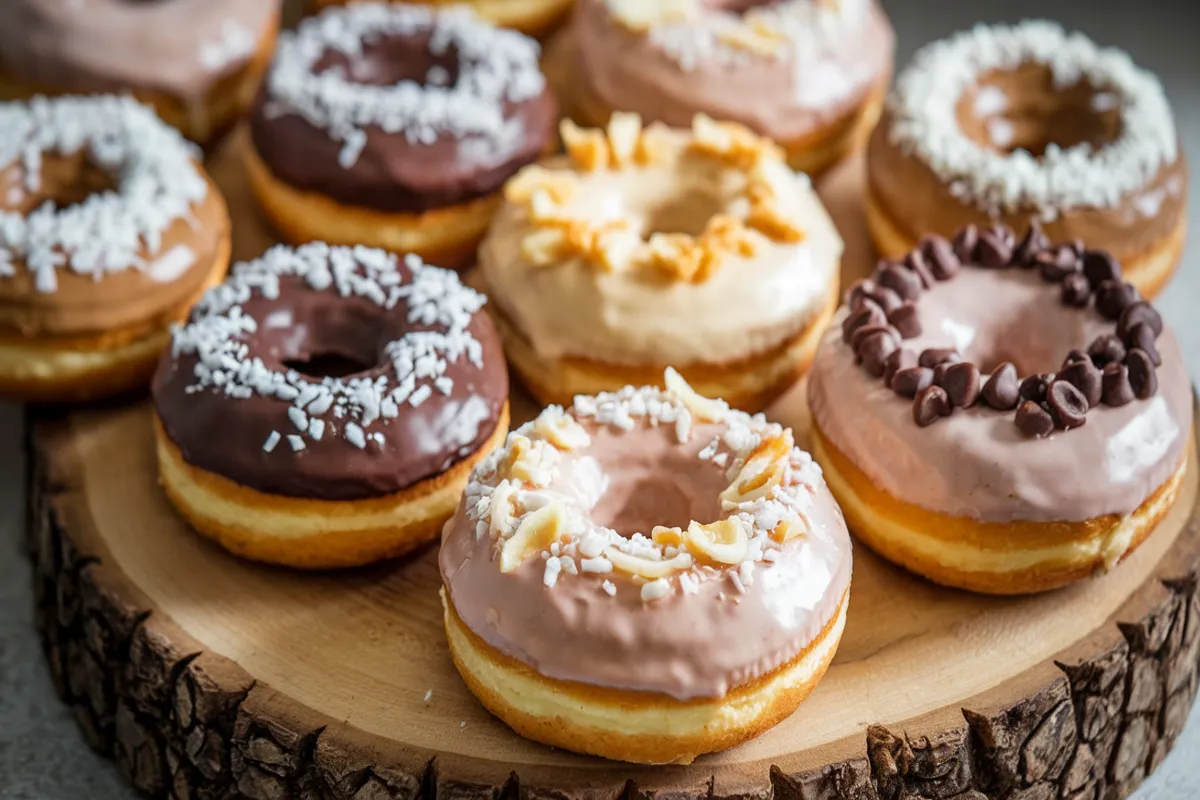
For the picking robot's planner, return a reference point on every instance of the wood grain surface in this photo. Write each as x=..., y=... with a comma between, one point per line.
x=204, y=676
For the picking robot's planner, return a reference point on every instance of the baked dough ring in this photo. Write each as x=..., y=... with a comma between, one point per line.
x=532, y=17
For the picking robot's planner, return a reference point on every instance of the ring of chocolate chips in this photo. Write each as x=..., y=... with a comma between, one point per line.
x=1115, y=369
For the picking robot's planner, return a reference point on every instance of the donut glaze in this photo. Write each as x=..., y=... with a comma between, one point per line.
x=398, y=166
x=976, y=463
x=603, y=628
x=182, y=47
x=417, y=410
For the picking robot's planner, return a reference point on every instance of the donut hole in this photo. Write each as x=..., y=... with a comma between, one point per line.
x=1024, y=109
x=683, y=212
x=739, y=7
x=332, y=345
x=387, y=61
x=329, y=364
x=65, y=181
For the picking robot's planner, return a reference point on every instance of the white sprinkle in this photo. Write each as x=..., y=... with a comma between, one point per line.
x=428, y=696
x=596, y=565
x=550, y=576
x=655, y=590
x=272, y=439
x=316, y=428
x=609, y=588
x=296, y=442
x=354, y=435
x=419, y=396
x=298, y=418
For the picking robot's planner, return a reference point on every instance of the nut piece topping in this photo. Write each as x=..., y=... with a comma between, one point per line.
x=648, y=568
x=762, y=471
x=563, y=432
x=536, y=532
x=702, y=408
x=789, y=529
x=642, y=15
x=721, y=542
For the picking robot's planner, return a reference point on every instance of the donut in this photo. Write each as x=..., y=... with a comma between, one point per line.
x=643, y=248
x=998, y=415
x=597, y=557
x=531, y=17
x=197, y=62
x=809, y=74
x=1008, y=123
x=109, y=231
x=396, y=126
x=323, y=407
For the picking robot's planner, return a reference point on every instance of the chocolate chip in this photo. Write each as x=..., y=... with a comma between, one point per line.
x=1099, y=266
x=1056, y=264
x=906, y=320
x=903, y=282
x=901, y=358
x=994, y=252
x=885, y=298
x=966, y=243
x=1085, y=377
x=1035, y=387
x=1142, y=376
x=933, y=356
x=1141, y=311
x=917, y=262
x=874, y=349
x=907, y=382
x=867, y=314
x=1078, y=246
x=1076, y=355
x=1067, y=404
x=1117, y=391
x=1000, y=390
x=1032, y=243
x=1076, y=293
x=1113, y=297
x=939, y=372
x=1106, y=349
x=961, y=382
x=930, y=405
x=1033, y=420
x=1005, y=234
x=858, y=292
x=1141, y=336
x=940, y=255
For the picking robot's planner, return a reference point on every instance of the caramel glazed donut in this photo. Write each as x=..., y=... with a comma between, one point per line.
x=809, y=74
x=532, y=17
x=197, y=62
x=109, y=231
x=959, y=442
x=324, y=406
x=395, y=126
x=579, y=633
x=1002, y=124
x=644, y=248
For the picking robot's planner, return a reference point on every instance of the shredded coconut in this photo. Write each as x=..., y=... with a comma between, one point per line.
x=925, y=123
x=153, y=166
x=495, y=67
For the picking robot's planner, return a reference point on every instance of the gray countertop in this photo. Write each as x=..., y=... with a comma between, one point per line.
x=42, y=756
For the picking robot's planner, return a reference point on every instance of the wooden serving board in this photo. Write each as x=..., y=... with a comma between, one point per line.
x=205, y=676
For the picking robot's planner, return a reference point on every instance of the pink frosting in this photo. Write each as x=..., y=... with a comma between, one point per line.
x=577, y=632
x=976, y=463
x=182, y=47
x=783, y=98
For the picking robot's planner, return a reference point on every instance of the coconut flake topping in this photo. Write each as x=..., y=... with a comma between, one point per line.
x=925, y=123
x=495, y=67
x=353, y=408
x=153, y=166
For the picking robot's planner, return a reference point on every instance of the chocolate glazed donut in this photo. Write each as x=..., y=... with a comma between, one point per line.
x=328, y=389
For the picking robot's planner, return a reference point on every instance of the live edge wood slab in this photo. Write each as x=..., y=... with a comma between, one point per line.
x=206, y=677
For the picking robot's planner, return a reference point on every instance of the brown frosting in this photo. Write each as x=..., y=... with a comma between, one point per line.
x=227, y=434
x=395, y=171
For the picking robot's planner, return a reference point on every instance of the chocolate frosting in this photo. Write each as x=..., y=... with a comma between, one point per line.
x=225, y=435
x=392, y=172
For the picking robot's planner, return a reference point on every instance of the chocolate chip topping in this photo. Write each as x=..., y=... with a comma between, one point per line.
x=885, y=298
x=868, y=313
x=1035, y=387
x=994, y=251
x=1141, y=336
x=903, y=282
x=907, y=382
x=1076, y=355
x=1085, y=377
x=1142, y=377
x=857, y=292
x=1099, y=267
x=930, y=405
x=874, y=350
x=1001, y=390
x=1033, y=420
x=944, y=263
x=856, y=339
x=1106, y=349
x=1067, y=404
x=961, y=382
x=933, y=356
x=1076, y=292
x=1117, y=391
x=916, y=262
x=906, y=320
x=1113, y=297
x=1033, y=243
x=966, y=242
x=901, y=358
x=1058, y=263
x=1141, y=311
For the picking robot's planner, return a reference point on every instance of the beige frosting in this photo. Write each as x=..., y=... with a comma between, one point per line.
x=976, y=463
x=826, y=65
x=604, y=628
x=182, y=47
x=643, y=317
